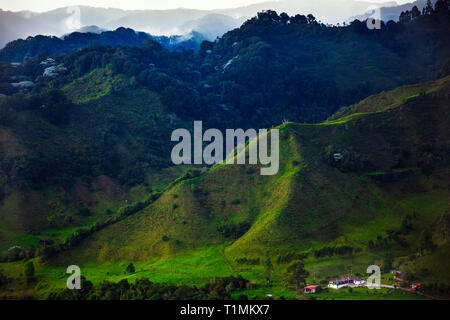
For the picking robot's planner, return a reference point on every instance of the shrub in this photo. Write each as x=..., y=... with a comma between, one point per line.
x=29, y=270
x=3, y=279
x=130, y=268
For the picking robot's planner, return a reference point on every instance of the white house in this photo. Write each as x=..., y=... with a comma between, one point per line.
x=345, y=281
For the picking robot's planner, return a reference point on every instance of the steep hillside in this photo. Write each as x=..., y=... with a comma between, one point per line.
x=86, y=176
x=392, y=99
x=96, y=148
x=383, y=198
x=108, y=112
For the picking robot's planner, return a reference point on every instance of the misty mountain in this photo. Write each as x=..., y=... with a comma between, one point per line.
x=21, y=50
x=393, y=12
x=212, y=23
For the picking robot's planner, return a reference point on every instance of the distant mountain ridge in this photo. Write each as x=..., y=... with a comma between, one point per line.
x=393, y=12
x=21, y=50
x=213, y=23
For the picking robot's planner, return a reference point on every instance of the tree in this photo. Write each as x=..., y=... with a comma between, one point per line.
x=295, y=276
x=268, y=267
x=284, y=17
x=388, y=262
x=405, y=16
x=299, y=19
x=55, y=106
x=441, y=7
x=428, y=8
x=311, y=19
x=29, y=270
x=3, y=279
x=415, y=13
x=130, y=268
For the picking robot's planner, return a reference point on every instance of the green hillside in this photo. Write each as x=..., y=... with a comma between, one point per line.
x=86, y=177
x=386, y=197
x=110, y=151
x=312, y=192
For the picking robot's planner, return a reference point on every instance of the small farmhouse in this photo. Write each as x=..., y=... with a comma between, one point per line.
x=310, y=289
x=345, y=281
x=415, y=287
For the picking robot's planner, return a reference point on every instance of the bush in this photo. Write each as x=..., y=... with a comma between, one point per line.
x=3, y=279
x=295, y=276
x=55, y=106
x=29, y=270
x=130, y=268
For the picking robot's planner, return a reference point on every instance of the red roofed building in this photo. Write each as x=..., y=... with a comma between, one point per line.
x=310, y=289
x=415, y=286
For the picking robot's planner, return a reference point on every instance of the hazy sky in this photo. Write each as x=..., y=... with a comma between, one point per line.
x=45, y=5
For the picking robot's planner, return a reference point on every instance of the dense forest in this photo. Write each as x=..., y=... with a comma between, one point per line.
x=274, y=68
x=21, y=50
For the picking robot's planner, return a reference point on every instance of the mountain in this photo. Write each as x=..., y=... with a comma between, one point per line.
x=21, y=50
x=58, y=22
x=393, y=156
x=382, y=202
x=328, y=12
x=86, y=176
x=20, y=25
x=88, y=29
x=259, y=75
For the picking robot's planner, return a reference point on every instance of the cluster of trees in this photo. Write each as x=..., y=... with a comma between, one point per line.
x=397, y=237
x=50, y=162
x=234, y=231
x=330, y=251
x=51, y=103
x=350, y=161
x=387, y=242
x=293, y=256
x=441, y=9
x=270, y=17
x=250, y=261
x=282, y=259
x=144, y=289
x=435, y=289
x=295, y=276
